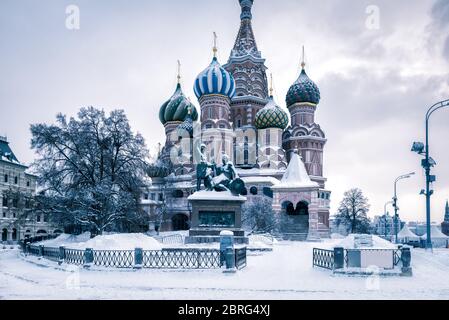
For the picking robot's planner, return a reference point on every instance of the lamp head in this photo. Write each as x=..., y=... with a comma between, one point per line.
x=418, y=147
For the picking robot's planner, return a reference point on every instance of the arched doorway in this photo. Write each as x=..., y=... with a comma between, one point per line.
x=4, y=234
x=288, y=208
x=180, y=222
x=14, y=234
x=302, y=208
x=294, y=220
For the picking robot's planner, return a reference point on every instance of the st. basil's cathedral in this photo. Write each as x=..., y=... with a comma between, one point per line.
x=277, y=152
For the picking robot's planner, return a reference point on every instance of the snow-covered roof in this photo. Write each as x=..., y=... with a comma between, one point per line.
x=259, y=172
x=260, y=179
x=296, y=175
x=215, y=195
x=6, y=154
x=407, y=233
x=435, y=233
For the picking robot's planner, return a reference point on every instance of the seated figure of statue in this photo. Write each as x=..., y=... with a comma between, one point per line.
x=227, y=178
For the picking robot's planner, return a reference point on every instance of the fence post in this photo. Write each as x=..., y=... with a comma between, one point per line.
x=406, y=258
x=41, y=251
x=61, y=255
x=88, y=258
x=230, y=260
x=226, y=241
x=138, y=258
x=339, y=258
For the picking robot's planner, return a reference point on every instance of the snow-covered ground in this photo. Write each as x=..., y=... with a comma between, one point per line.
x=137, y=240
x=284, y=273
x=105, y=242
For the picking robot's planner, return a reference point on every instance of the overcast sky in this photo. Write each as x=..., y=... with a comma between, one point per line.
x=376, y=83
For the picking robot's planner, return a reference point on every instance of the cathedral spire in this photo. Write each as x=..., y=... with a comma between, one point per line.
x=245, y=44
x=446, y=215
x=246, y=9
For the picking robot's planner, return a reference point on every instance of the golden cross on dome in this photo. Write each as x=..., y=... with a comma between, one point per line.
x=179, y=71
x=189, y=109
x=215, y=45
x=271, y=85
x=303, y=63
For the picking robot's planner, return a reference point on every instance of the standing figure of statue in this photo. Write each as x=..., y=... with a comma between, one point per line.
x=203, y=170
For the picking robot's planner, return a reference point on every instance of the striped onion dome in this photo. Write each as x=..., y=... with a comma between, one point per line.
x=214, y=80
x=177, y=108
x=271, y=116
x=303, y=90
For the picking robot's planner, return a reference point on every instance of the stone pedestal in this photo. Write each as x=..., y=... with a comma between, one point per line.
x=213, y=212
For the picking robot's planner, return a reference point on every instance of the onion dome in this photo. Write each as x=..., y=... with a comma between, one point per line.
x=214, y=80
x=158, y=169
x=186, y=126
x=271, y=116
x=177, y=108
x=303, y=90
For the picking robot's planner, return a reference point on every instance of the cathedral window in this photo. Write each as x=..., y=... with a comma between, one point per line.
x=16, y=180
x=178, y=194
x=15, y=202
x=268, y=192
x=253, y=191
x=210, y=113
x=6, y=178
x=5, y=201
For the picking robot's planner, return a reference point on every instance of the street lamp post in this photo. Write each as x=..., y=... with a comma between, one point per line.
x=427, y=163
x=395, y=203
x=385, y=217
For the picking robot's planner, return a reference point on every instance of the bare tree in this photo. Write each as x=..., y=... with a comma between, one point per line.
x=353, y=211
x=258, y=215
x=91, y=170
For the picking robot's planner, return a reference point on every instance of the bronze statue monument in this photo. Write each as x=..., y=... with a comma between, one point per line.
x=218, y=178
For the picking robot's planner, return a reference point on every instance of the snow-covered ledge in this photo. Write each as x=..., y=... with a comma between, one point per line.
x=365, y=254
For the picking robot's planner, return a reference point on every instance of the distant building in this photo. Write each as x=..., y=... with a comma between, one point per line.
x=418, y=227
x=17, y=187
x=337, y=228
x=384, y=225
x=445, y=224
